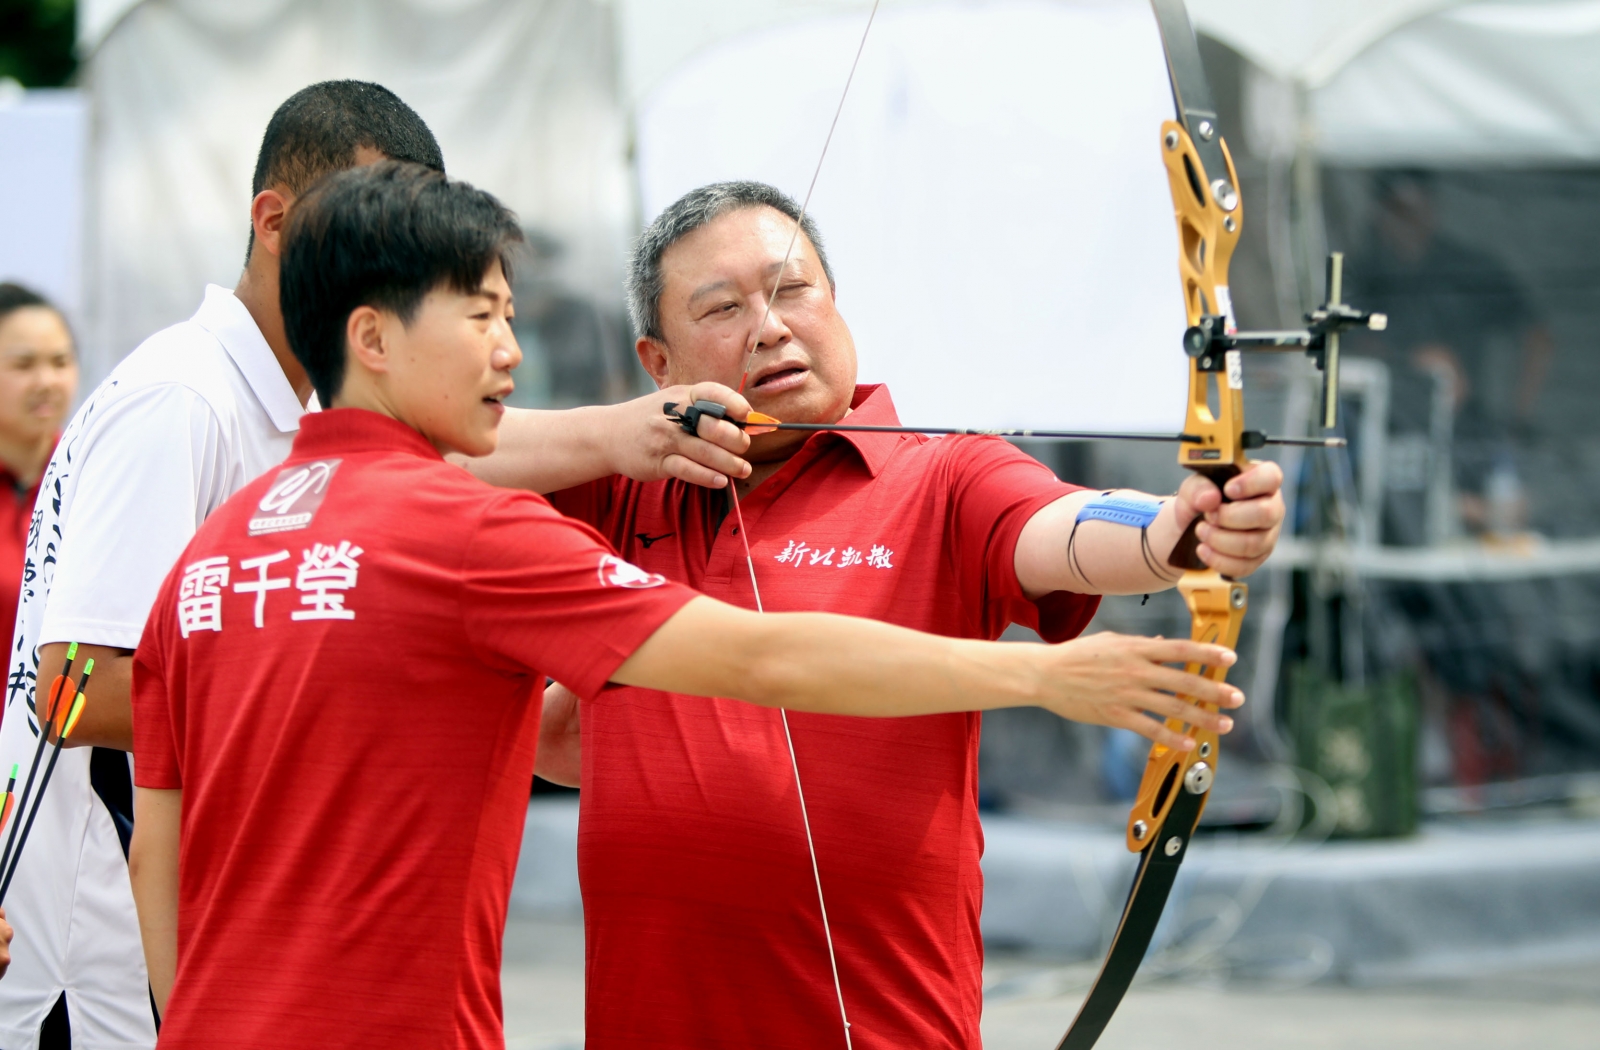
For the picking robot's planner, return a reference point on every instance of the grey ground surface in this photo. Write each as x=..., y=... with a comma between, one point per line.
x=1032, y=1001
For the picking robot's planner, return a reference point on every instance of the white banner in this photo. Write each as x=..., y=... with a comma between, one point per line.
x=994, y=202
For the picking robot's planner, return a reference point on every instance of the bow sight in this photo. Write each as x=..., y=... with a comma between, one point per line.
x=1208, y=341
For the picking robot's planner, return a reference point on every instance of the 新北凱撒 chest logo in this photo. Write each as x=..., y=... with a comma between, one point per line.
x=800, y=554
x=614, y=572
x=292, y=500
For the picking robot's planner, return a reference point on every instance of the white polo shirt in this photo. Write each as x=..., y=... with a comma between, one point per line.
x=195, y=413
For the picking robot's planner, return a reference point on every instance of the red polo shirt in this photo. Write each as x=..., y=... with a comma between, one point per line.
x=343, y=673
x=701, y=914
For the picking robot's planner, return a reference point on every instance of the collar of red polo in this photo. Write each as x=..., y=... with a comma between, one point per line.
x=871, y=406
x=344, y=430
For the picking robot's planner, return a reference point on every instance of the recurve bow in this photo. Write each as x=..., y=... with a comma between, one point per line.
x=1210, y=215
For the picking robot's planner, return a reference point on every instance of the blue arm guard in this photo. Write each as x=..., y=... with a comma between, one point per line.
x=1120, y=510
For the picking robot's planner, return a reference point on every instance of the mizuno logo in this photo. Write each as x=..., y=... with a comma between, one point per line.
x=647, y=539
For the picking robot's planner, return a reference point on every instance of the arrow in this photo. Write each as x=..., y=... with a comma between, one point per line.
x=71, y=723
x=45, y=725
x=761, y=423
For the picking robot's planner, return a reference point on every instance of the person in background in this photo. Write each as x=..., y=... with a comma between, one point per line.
x=38, y=379
x=1460, y=318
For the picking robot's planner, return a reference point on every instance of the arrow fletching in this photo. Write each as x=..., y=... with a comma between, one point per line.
x=72, y=719
x=9, y=797
x=760, y=423
x=59, y=701
x=77, y=704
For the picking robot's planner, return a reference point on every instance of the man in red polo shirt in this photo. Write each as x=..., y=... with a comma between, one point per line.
x=337, y=695
x=699, y=895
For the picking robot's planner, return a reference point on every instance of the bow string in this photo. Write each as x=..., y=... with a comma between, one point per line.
x=744, y=532
x=1214, y=442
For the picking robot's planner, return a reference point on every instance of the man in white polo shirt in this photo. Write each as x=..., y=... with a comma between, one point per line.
x=195, y=413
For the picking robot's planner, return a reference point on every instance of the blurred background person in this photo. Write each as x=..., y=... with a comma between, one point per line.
x=38, y=380
x=1463, y=333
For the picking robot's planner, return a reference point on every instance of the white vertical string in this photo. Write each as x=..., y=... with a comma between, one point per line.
x=744, y=533
x=805, y=205
x=800, y=791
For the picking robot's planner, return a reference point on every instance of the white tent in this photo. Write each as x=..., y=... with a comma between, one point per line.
x=521, y=94
x=1009, y=141
x=1391, y=81
x=42, y=136
x=998, y=218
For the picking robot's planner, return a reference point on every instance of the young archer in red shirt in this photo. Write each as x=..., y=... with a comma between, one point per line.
x=691, y=845
x=337, y=696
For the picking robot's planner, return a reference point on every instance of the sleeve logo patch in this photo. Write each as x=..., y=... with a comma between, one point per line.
x=614, y=572
x=294, y=497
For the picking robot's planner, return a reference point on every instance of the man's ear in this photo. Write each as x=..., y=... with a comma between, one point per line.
x=268, y=213
x=363, y=341
x=653, y=356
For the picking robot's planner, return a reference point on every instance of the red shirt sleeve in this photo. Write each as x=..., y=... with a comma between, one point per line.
x=543, y=592
x=155, y=755
x=996, y=489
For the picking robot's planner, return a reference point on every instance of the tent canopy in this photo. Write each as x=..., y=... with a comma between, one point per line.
x=521, y=94
x=1391, y=81
x=1014, y=110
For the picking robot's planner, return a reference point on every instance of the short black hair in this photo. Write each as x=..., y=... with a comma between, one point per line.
x=318, y=130
x=15, y=297
x=382, y=236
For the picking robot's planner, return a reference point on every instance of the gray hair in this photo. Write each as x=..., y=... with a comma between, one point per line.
x=682, y=217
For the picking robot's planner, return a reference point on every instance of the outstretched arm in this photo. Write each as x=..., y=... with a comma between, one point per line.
x=1106, y=558
x=546, y=451
x=843, y=665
